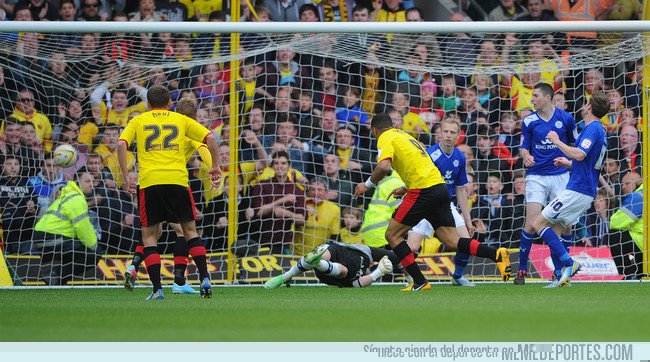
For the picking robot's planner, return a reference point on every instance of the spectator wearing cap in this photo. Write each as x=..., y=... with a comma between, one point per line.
x=358, y=161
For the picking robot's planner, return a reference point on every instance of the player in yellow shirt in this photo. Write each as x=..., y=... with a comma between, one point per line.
x=187, y=107
x=163, y=191
x=425, y=197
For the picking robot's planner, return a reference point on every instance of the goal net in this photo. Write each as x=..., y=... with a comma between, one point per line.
x=307, y=99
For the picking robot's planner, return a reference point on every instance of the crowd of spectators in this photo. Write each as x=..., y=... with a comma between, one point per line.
x=305, y=137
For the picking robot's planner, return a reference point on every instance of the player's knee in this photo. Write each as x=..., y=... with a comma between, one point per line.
x=392, y=237
x=189, y=230
x=539, y=224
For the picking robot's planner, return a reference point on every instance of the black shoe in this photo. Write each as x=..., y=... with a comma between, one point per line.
x=521, y=277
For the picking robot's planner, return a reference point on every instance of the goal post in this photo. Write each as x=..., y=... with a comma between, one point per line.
x=314, y=88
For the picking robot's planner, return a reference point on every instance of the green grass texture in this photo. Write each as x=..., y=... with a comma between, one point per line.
x=489, y=312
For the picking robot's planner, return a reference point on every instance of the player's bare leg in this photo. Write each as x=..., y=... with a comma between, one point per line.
x=197, y=250
x=395, y=236
x=449, y=236
x=415, y=239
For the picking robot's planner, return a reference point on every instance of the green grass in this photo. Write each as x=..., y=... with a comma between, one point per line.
x=586, y=312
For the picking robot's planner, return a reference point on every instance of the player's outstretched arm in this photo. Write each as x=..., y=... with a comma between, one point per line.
x=382, y=169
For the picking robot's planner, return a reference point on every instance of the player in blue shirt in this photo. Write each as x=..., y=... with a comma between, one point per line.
x=451, y=162
x=544, y=181
x=588, y=157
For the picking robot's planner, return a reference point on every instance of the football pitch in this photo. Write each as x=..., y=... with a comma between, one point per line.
x=489, y=312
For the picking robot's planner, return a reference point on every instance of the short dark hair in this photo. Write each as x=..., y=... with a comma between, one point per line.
x=11, y=157
x=545, y=88
x=599, y=104
x=121, y=90
x=359, y=7
x=518, y=174
x=21, y=7
x=307, y=7
x=217, y=15
x=485, y=132
x=158, y=96
x=113, y=127
x=279, y=154
x=11, y=121
x=382, y=121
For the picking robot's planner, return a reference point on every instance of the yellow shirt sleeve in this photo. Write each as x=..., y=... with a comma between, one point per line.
x=205, y=154
x=385, y=150
x=194, y=130
x=128, y=134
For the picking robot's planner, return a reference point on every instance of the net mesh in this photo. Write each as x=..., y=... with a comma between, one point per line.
x=312, y=96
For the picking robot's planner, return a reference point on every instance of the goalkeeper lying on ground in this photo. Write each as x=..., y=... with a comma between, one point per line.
x=342, y=265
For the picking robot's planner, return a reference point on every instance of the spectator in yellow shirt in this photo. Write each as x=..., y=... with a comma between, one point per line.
x=108, y=151
x=351, y=232
x=25, y=111
x=323, y=219
x=113, y=107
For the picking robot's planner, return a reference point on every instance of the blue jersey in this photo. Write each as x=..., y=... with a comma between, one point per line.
x=533, y=138
x=452, y=167
x=584, y=174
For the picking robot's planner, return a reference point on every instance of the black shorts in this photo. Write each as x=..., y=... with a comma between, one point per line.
x=171, y=203
x=431, y=203
x=356, y=261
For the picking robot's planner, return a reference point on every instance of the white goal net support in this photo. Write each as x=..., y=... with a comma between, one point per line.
x=309, y=97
